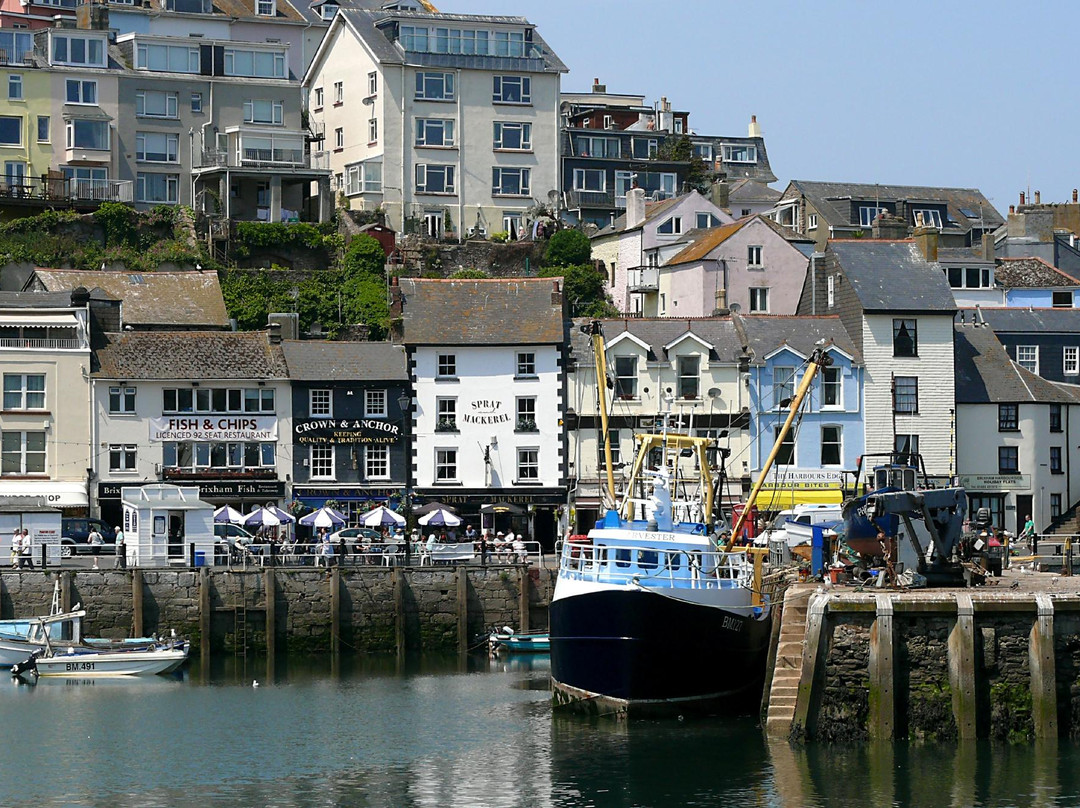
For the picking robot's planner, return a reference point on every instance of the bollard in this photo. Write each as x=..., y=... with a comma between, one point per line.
x=44, y=556
x=191, y=554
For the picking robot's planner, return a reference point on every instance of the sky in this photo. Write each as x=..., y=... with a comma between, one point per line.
x=963, y=94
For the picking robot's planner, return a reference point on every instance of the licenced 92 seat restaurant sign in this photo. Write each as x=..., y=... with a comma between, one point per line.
x=345, y=430
x=214, y=427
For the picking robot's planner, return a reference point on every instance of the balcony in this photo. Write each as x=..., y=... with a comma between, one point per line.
x=591, y=199
x=262, y=149
x=58, y=189
x=643, y=279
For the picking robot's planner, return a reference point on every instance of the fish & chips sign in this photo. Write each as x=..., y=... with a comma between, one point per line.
x=345, y=430
x=213, y=428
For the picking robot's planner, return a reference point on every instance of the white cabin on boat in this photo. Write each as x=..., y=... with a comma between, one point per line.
x=161, y=522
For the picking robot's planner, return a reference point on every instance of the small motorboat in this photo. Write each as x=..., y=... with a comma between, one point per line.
x=85, y=661
x=506, y=639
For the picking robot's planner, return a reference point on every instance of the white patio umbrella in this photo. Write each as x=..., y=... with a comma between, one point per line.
x=324, y=517
x=268, y=517
x=440, y=517
x=377, y=517
x=225, y=514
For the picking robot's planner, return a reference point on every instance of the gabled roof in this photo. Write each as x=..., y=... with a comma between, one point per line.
x=319, y=361
x=511, y=311
x=986, y=374
x=652, y=211
x=657, y=332
x=892, y=276
x=765, y=334
x=1025, y=320
x=709, y=241
x=183, y=355
x=1030, y=273
x=183, y=300
x=748, y=190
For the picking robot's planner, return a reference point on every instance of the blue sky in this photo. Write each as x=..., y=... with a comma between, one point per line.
x=960, y=94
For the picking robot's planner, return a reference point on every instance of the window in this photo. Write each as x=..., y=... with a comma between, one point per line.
x=644, y=148
x=446, y=465
x=1071, y=360
x=1008, y=417
x=598, y=146
x=512, y=136
x=831, y=444
x=328, y=10
x=44, y=134
x=373, y=130
x=322, y=462
x=167, y=58
x=339, y=138
x=317, y=101
x=260, y=110
x=156, y=147
x=905, y=337
x=512, y=90
x=320, y=403
x=785, y=453
x=906, y=448
x=81, y=92
x=831, y=393
x=447, y=365
x=339, y=92
x=254, y=63
x=24, y=391
x=17, y=46
x=88, y=135
x=510, y=181
x=703, y=152
x=377, y=462
x=525, y=410
x=161, y=188
x=759, y=299
x=363, y=178
x=266, y=8
x=671, y=226
x=706, y=220
x=122, y=457
x=811, y=221
x=926, y=217
x=1055, y=460
x=1062, y=300
x=753, y=256
x=121, y=400
x=740, y=154
x=588, y=179
x=372, y=83
x=1055, y=506
x=435, y=86
x=616, y=455
x=1008, y=460
x=868, y=214
x=196, y=102
x=528, y=465
x=1027, y=356
x=155, y=104
x=526, y=364
x=434, y=179
x=626, y=377
x=10, y=131
x=375, y=403
x=73, y=50
x=1055, y=417
x=22, y=453
x=689, y=368
x=15, y=92
x=434, y=132
x=970, y=277
x=906, y=395
x=445, y=414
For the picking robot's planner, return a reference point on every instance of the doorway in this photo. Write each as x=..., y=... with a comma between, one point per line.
x=1024, y=504
x=176, y=534
x=433, y=223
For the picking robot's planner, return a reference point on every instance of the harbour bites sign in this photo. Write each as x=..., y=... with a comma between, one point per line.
x=214, y=428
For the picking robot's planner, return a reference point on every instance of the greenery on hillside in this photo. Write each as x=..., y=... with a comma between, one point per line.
x=569, y=255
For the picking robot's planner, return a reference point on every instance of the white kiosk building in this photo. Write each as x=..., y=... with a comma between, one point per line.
x=162, y=522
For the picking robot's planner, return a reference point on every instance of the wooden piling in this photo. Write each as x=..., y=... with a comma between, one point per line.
x=462, y=610
x=270, y=585
x=204, y=614
x=882, y=695
x=335, y=610
x=137, y=629
x=399, y=611
x=523, y=597
x=1043, y=670
x=962, y=668
x=65, y=590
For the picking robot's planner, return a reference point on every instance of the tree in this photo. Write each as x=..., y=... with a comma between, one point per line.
x=568, y=248
x=364, y=255
x=584, y=289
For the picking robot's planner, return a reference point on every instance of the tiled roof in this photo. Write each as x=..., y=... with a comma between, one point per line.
x=765, y=333
x=31, y=300
x=892, y=276
x=314, y=360
x=514, y=311
x=245, y=9
x=1030, y=273
x=191, y=355
x=652, y=210
x=1023, y=320
x=656, y=332
x=708, y=241
x=986, y=374
x=187, y=300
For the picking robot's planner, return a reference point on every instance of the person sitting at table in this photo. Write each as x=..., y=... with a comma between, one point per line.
x=519, y=553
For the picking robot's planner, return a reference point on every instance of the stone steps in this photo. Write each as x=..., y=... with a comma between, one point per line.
x=784, y=690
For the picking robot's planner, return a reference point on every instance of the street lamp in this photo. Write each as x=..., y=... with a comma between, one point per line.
x=404, y=401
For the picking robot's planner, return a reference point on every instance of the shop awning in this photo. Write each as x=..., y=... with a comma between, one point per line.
x=777, y=499
x=30, y=319
x=58, y=495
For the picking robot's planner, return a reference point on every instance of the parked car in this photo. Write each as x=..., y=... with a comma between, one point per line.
x=356, y=538
x=230, y=541
x=75, y=535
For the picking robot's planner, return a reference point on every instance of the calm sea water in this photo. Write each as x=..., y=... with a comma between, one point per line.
x=442, y=733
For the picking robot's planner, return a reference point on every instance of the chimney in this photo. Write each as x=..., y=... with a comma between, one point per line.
x=1012, y=208
x=556, y=294
x=988, y=247
x=926, y=238
x=1038, y=197
x=397, y=303
x=288, y=324
x=274, y=330
x=597, y=87
x=754, y=129
x=80, y=296
x=1021, y=197
x=888, y=227
x=635, y=207
x=718, y=193
x=92, y=16
x=1075, y=200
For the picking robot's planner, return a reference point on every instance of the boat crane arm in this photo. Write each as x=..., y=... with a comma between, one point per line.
x=818, y=360
x=596, y=331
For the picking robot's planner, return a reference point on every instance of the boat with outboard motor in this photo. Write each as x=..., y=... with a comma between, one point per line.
x=102, y=658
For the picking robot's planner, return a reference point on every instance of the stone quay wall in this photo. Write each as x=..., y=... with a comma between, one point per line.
x=368, y=610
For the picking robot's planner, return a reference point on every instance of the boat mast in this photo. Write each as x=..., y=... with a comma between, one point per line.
x=595, y=330
x=818, y=360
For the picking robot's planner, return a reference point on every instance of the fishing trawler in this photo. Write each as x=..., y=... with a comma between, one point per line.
x=658, y=613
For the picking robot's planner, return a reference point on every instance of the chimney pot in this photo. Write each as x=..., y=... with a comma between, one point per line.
x=1012, y=208
x=1074, y=196
x=753, y=119
x=1038, y=197
x=1021, y=197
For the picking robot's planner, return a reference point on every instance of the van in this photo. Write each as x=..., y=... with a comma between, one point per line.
x=75, y=535
x=802, y=515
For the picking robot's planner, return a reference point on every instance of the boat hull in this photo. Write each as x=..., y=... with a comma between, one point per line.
x=630, y=652
x=120, y=663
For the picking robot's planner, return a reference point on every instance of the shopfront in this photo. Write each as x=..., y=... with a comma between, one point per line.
x=535, y=514
x=349, y=500
x=69, y=497
x=243, y=495
x=1007, y=497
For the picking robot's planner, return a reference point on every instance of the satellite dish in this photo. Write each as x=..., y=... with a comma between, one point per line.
x=735, y=307
x=714, y=392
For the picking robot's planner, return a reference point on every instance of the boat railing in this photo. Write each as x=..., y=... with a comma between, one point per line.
x=647, y=565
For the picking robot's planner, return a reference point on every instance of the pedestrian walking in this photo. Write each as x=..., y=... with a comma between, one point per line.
x=27, y=558
x=121, y=550
x=95, y=541
x=484, y=548
x=16, y=548
x=1029, y=533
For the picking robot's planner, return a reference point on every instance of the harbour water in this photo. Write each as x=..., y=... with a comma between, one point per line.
x=444, y=733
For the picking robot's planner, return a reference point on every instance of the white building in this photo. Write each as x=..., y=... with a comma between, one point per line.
x=448, y=123
x=487, y=364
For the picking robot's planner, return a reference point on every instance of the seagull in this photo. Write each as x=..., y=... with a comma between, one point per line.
x=254, y=682
x=1014, y=585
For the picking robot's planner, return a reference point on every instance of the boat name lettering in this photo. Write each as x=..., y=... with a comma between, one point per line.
x=78, y=666
x=732, y=624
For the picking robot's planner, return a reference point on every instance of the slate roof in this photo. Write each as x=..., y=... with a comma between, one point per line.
x=1024, y=320
x=961, y=255
x=187, y=300
x=708, y=241
x=513, y=311
x=892, y=276
x=34, y=300
x=316, y=360
x=985, y=373
x=748, y=190
x=719, y=332
x=766, y=332
x=219, y=355
x=652, y=210
x=1030, y=273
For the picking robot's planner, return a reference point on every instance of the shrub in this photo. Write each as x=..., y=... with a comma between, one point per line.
x=568, y=248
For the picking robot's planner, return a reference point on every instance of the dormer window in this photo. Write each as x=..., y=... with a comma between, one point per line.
x=77, y=50
x=328, y=10
x=927, y=217
x=670, y=227
x=266, y=8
